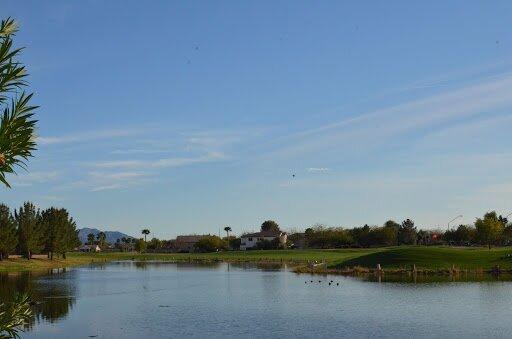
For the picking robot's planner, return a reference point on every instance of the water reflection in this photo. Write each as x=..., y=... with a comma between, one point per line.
x=53, y=299
x=131, y=299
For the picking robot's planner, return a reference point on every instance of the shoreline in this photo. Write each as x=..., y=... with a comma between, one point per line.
x=431, y=261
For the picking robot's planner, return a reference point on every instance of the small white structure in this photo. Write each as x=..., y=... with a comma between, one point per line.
x=249, y=241
x=89, y=248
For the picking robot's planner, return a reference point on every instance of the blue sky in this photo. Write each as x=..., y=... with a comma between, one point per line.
x=184, y=117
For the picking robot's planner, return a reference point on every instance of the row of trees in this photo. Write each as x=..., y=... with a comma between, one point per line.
x=390, y=234
x=491, y=230
x=29, y=230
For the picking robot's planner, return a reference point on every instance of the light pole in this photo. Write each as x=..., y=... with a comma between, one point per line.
x=457, y=217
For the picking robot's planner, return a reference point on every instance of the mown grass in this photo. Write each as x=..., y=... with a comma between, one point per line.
x=434, y=258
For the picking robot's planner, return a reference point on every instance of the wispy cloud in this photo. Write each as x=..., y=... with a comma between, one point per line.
x=163, y=162
x=106, y=187
x=377, y=126
x=88, y=136
x=37, y=177
x=318, y=169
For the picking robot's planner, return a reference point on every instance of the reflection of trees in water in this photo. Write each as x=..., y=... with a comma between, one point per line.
x=262, y=266
x=53, y=298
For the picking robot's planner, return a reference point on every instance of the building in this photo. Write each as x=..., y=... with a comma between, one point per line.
x=249, y=241
x=185, y=243
x=89, y=248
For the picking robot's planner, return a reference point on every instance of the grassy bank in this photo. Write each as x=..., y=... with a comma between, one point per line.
x=289, y=256
x=433, y=258
x=392, y=259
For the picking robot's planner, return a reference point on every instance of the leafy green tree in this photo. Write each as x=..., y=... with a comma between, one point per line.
x=489, y=229
x=270, y=225
x=146, y=233
x=154, y=244
x=234, y=242
x=320, y=236
x=90, y=238
x=140, y=245
x=507, y=235
x=210, y=243
x=102, y=239
x=391, y=224
x=407, y=233
x=61, y=233
x=264, y=244
x=30, y=229
x=463, y=235
x=8, y=239
x=16, y=120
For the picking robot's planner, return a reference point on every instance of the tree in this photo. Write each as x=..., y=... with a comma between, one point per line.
x=17, y=125
x=8, y=239
x=140, y=245
x=270, y=225
x=30, y=229
x=227, y=229
x=90, y=238
x=391, y=224
x=211, y=243
x=407, y=233
x=102, y=239
x=154, y=244
x=489, y=229
x=60, y=231
x=146, y=233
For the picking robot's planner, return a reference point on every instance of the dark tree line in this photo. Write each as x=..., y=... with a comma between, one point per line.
x=29, y=231
x=390, y=234
x=491, y=230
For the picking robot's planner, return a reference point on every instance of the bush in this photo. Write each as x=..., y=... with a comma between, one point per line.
x=210, y=243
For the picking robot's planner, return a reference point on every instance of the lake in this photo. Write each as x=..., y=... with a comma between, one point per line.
x=135, y=300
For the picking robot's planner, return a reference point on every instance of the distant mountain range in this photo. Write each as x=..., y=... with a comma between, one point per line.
x=112, y=236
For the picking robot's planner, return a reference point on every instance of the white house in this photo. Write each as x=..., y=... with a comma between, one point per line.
x=249, y=241
x=89, y=248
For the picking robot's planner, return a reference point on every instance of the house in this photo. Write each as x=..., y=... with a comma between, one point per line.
x=89, y=248
x=185, y=243
x=249, y=241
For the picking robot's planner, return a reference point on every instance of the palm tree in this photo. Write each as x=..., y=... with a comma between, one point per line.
x=90, y=238
x=16, y=146
x=101, y=239
x=146, y=233
x=227, y=229
x=17, y=125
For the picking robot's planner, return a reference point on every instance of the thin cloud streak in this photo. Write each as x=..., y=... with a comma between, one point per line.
x=162, y=163
x=381, y=124
x=88, y=136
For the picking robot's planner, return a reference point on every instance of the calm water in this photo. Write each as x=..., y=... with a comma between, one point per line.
x=135, y=300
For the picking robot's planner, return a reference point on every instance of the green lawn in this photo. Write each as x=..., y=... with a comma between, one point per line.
x=433, y=258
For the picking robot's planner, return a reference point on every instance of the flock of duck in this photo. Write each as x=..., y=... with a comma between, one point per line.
x=320, y=281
